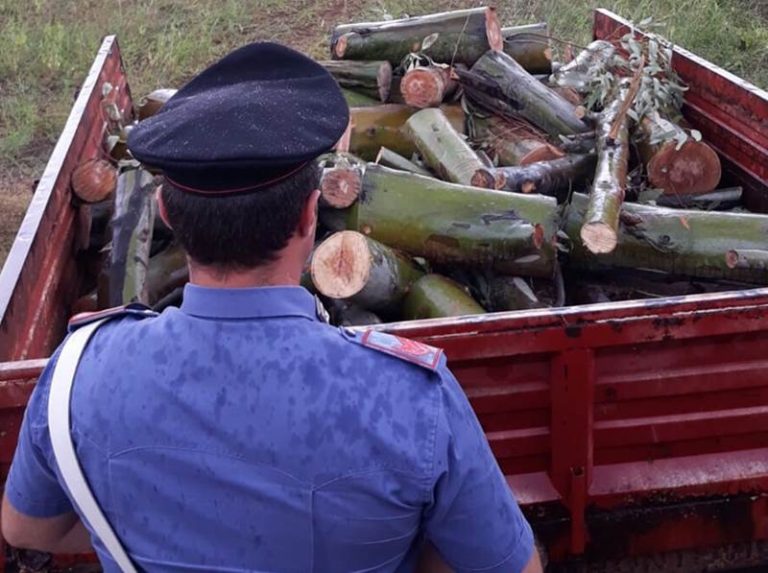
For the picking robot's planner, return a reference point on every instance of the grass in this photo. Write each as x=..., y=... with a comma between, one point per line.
x=46, y=47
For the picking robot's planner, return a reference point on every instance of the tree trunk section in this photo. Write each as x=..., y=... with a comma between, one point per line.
x=461, y=36
x=132, y=226
x=94, y=180
x=389, y=158
x=556, y=178
x=600, y=229
x=167, y=271
x=445, y=150
x=579, y=73
x=427, y=86
x=501, y=85
x=340, y=186
x=529, y=46
x=718, y=200
x=435, y=296
x=511, y=143
x=345, y=313
x=382, y=126
x=681, y=242
x=512, y=293
x=457, y=225
x=355, y=99
x=351, y=266
x=151, y=103
x=372, y=79
x=694, y=168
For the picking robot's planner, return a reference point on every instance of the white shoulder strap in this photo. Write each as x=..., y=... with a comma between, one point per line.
x=64, y=450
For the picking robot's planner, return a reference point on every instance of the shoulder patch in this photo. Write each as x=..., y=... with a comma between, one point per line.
x=133, y=309
x=416, y=352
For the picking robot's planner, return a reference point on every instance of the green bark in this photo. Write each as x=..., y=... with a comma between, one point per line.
x=556, y=178
x=676, y=241
x=510, y=143
x=529, y=46
x=512, y=293
x=355, y=99
x=718, y=200
x=372, y=79
x=446, y=151
x=382, y=126
x=461, y=36
x=351, y=266
x=498, y=83
x=435, y=296
x=389, y=158
x=586, y=67
x=600, y=228
x=454, y=224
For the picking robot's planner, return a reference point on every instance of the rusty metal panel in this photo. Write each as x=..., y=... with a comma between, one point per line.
x=40, y=278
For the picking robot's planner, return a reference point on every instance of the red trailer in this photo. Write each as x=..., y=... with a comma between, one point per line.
x=634, y=434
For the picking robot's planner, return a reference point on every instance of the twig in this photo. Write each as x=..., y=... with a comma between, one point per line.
x=634, y=87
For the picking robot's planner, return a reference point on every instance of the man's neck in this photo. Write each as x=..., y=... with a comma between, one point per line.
x=268, y=275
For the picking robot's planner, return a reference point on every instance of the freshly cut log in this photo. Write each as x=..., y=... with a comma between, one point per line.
x=389, y=158
x=94, y=180
x=600, y=228
x=501, y=85
x=372, y=79
x=132, y=226
x=167, y=271
x=445, y=150
x=529, y=46
x=457, y=225
x=427, y=86
x=461, y=36
x=512, y=293
x=511, y=143
x=341, y=186
x=557, y=178
x=349, y=265
x=677, y=241
x=151, y=103
x=436, y=296
x=355, y=99
x=693, y=168
x=382, y=126
x=587, y=66
x=718, y=200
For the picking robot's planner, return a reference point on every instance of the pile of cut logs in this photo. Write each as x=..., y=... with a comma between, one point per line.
x=477, y=175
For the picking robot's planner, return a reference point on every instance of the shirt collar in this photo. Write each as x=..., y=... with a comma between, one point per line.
x=261, y=302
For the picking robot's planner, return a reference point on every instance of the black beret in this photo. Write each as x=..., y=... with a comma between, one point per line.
x=254, y=117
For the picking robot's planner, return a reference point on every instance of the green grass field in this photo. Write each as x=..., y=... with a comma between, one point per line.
x=46, y=47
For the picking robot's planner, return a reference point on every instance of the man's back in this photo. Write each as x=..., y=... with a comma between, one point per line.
x=242, y=433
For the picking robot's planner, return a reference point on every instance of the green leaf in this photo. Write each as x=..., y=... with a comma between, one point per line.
x=428, y=41
x=696, y=135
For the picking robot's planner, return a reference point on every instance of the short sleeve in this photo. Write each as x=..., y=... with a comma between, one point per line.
x=32, y=487
x=473, y=519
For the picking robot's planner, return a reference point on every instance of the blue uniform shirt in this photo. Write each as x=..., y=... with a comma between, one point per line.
x=242, y=433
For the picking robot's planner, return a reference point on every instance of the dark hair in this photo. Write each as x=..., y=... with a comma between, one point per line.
x=241, y=231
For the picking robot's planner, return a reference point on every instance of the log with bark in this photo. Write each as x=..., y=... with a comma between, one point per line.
x=355, y=99
x=677, y=241
x=167, y=271
x=372, y=78
x=529, y=46
x=427, y=86
x=94, y=180
x=600, y=228
x=445, y=150
x=382, y=126
x=510, y=142
x=341, y=180
x=461, y=36
x=436, y=296
x=389, y=158
x=689, y=169
x=512, y=293
x=351, y=266
x=588, y=65
x=458, y=225
x=346, y=313
x=718, y=200
x=132, y=226
x=151, y=103
x=501, y=85
x=556, y=178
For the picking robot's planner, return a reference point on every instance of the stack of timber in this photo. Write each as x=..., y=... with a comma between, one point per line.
x=478, y=175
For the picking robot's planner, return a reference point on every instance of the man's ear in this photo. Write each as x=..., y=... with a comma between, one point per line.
x=161, y=206
x=308, y=222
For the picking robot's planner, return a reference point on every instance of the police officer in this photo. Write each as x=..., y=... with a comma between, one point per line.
x=241, y=432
